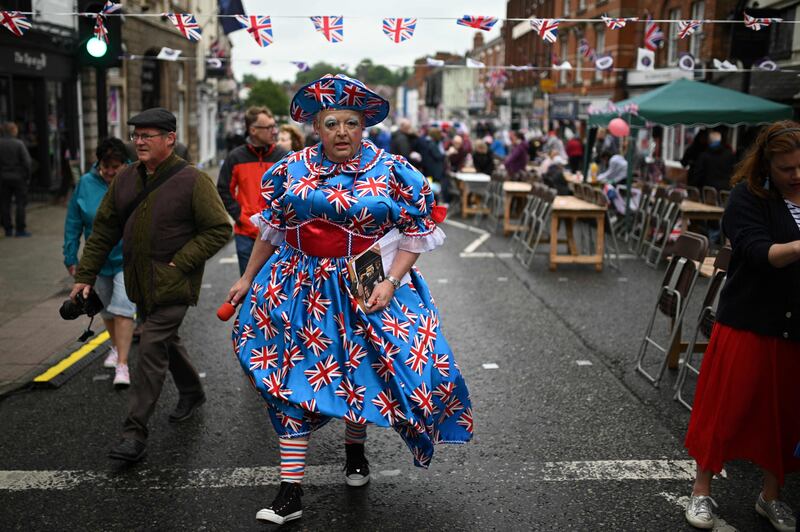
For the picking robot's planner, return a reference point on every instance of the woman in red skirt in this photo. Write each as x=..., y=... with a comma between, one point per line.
x=747, y=399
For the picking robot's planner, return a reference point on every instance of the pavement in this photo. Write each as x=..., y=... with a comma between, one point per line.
x=567, y=436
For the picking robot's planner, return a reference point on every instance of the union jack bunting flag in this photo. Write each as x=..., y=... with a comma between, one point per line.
x=688, y=27
x=186, y=24
x=653, y=36
x=547, y=28
x=332, y=28
x=755, y=23
x=111, y=7
x=604, y=62
x=617, y=23
x=479, y=23
x=399, y=29
x=585, y=49
x=259, y=27
x=100, y=30
x=15, y=22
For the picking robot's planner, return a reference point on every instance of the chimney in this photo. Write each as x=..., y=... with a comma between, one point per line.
x=477, y=42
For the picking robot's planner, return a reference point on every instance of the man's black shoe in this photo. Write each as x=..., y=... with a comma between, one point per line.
x=356, y=469
x=287, y=505
x=129, y=450
x=187, y=404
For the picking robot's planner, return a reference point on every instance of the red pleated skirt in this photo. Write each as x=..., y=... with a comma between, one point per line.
x=747, y=403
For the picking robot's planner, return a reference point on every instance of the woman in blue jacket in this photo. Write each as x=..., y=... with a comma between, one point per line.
x=119, y=311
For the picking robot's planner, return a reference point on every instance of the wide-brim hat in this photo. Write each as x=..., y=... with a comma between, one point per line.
x=338, y=92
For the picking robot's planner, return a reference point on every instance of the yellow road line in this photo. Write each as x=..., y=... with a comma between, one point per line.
x=73, y=358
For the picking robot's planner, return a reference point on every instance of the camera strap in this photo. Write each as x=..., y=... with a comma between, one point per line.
x=150, y=187
x=88, y=333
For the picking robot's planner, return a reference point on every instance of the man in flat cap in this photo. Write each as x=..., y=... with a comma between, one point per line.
x=171, y=220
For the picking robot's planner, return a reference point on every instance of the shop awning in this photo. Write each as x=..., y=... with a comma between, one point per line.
x=694, y=103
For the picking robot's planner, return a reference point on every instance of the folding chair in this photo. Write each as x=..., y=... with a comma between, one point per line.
x=520, y=236
x=612, y=227
x=642, y=218
x=724, y=196
x=539, y=222
x=494, y=204
x=673, y=296
x=705, y=322
x=665, y=215
x=693, y=194
x=710, y=196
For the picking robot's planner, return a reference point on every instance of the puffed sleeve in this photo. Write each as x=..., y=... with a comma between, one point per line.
x=271, y=222
x=411, y=212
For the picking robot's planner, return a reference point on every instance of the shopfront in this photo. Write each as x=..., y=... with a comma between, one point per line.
x=38, y=91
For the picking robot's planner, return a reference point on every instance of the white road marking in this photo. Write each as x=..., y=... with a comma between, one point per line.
x=469, y=251
x=101, y=377
x=229, y=260
x=238, y=477
x=502, y=279
x=475, y=244
x=490, y=365
x=205, y=285
x=442, y=281
x=563, y=279
x=202, y=375
x=622, y=279
x=583, y=362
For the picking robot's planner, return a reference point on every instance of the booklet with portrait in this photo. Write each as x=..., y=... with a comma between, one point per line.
x=370, y=267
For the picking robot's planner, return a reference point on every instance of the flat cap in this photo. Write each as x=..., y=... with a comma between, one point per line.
x=157, y=117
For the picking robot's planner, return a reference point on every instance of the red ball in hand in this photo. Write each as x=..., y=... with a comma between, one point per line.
x=225, y=311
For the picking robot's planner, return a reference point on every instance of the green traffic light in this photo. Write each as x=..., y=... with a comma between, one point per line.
x=96, y=47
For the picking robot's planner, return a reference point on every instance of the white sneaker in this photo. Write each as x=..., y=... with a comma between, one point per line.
x=122, y=378
x=700, y=511
x=111, y=359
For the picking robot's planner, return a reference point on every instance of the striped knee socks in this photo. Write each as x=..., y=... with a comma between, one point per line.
x=293, y=458
x=354, y=433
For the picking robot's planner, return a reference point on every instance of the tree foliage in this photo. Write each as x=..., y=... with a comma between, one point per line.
x=267, y=92
x=366, y=71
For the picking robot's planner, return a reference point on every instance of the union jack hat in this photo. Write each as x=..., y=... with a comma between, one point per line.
x=338, y=92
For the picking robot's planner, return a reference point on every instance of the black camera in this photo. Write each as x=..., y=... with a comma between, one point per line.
x=72, y=310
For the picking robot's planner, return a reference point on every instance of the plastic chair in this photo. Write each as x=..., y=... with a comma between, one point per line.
x=705, y=322
x=673, y=295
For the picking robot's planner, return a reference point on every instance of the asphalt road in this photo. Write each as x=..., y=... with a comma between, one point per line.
x=566, y=437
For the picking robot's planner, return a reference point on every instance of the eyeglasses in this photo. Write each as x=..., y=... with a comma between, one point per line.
x=351, y=124
x=144, y=137
x=273, y=127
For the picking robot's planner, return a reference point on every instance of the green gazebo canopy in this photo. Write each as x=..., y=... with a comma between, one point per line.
x=694, y=103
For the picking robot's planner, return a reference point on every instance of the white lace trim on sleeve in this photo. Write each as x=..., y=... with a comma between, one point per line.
x=268, y=233
x=421, y=244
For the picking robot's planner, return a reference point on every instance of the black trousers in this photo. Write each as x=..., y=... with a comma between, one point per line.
x=18, y=190
x=160, y=350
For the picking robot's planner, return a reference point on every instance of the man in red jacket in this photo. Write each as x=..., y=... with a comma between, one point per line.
x=239, y=182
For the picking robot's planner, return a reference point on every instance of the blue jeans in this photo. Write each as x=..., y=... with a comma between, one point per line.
x=244, y=247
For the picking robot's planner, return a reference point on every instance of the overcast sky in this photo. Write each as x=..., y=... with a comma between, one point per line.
x=294, y=39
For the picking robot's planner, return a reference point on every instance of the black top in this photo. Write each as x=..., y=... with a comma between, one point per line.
x=757, y=296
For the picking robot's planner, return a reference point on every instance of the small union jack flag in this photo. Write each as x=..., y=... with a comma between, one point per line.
x=314, y=339
x=465, y=420
x=332, y=28
x=298, y=114
x=479, y=23
x=100, y=30
x=585, y=49
x=186, y=24
x=688, y=27
x=614, y=23
x=352, y=95
x=399, y=29
x=259, y=27
x=264, y=358
x=653, y=36
x=355, y=354
x=354, y=395
x=755, y=23
x=323, y=91
x=15, y=22
x=424, y=399
x=547, y=28
x=389, y=406
x=323, y=373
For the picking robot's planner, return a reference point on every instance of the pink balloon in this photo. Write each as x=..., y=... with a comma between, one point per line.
x=619, y=127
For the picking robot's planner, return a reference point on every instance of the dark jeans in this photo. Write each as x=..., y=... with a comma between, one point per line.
x=18, y=189
x=160, y=349
x=244, y=248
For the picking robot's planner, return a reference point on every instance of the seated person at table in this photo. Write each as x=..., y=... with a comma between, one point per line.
x=457, y=154
x=616, y=168
x=554, y=177
x=482, y=158
x=518, y=159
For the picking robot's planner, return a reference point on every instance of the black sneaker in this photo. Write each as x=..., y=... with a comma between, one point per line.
x=187, y=404
x=356, y=469
x=287, y=505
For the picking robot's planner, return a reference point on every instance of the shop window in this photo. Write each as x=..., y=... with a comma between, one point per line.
x=672, y=38
x=599, y=47
x=697, y=38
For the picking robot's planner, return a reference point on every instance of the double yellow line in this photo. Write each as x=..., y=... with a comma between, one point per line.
x=62, y=366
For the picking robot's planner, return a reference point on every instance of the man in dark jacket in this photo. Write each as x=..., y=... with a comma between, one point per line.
x=714, y=167
x=239, y=182
x=171, y=220
x=15, y=172
x=403, y=139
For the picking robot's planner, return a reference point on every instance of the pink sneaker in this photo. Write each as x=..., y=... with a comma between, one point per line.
x=111, y=359
x=122, y=378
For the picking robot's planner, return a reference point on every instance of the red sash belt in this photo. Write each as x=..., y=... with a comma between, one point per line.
x=321, y=238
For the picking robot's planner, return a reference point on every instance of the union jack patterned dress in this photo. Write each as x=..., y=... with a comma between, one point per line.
x=304, y=343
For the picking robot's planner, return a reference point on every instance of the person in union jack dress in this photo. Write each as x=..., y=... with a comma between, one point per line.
x=307, y=347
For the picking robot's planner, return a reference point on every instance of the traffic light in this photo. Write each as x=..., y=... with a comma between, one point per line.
x=91, y=50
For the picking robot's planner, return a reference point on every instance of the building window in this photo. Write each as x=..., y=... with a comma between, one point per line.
x=566, y=8
x=578, y=61
x=672, y=46
x=697, y=38
x=599, y=47
x=563, y=74
x=581, y=5
x=780, y=36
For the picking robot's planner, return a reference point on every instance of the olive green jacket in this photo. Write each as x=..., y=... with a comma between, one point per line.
x=182, y=221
